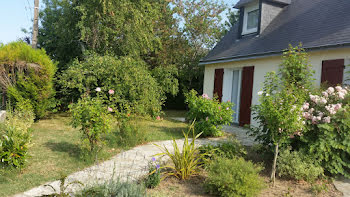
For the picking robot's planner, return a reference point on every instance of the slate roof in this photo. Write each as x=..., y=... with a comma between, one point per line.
x=314, y=23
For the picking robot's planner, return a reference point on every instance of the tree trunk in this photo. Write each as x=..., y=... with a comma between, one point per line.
x=35, y=24
x=273, y=173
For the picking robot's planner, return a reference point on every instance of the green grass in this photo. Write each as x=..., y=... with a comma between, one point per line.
x=56, y=150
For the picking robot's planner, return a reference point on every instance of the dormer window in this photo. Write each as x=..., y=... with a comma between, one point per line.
x=251, y=18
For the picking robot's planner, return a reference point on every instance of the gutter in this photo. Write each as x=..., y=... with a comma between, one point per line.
x=269, y=54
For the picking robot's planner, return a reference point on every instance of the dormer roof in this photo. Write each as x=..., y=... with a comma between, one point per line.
x=316, y=24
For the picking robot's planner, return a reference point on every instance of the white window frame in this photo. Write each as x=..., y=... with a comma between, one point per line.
x=247, y=9
x=346, y=77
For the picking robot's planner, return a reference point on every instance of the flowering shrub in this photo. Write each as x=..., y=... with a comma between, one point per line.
x=125, y=81
x=94, y=119
x=209, y=114
x=153, y=178
x=328, y=120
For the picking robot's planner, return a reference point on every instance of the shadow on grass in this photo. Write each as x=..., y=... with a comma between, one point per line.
x=72, y=149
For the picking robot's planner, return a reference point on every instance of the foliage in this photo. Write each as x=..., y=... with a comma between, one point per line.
x=114, y=188
x=279, y=113
x=58, y=32
x=230, y=149
x=295, y=69
x=209, y=114
x=63, y=187
x=30, y=74
x=134, y=87
x=153, y=178
x=233, y=177
x=93, y=119
x=147, y=30
x=328, y=121
x=298, y=166
x=15, y=135
x=187, y=162
x=129, y=135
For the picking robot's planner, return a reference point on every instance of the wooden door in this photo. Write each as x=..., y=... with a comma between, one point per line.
x=246, y=95
x=332, y=72
x=218, y=83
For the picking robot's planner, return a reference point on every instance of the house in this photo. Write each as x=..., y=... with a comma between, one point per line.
x=235, y=68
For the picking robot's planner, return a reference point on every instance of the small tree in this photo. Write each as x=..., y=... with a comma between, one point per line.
x=279, y=113
x=92, y=116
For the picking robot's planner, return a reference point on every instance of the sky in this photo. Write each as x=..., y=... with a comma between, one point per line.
x=18, y=14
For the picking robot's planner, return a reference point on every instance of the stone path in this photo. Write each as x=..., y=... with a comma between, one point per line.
x=128, y=165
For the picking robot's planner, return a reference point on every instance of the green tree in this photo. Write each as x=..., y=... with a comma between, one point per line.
x=279, y=113
x=27, y=74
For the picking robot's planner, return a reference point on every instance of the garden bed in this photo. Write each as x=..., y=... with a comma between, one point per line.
x=173, y=187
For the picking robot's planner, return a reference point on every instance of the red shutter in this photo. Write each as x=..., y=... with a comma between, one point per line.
x=246, y=95
x=332, y=72
x=219, y=75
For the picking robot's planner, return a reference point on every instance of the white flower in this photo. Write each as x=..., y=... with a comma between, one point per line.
x=98, y=89
x=260, y=93
x=330, y=90
x=338, y=88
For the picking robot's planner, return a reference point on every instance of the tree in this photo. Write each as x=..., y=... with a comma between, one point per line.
x=279, y=113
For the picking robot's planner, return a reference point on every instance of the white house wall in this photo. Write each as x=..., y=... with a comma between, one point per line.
x=264, y=65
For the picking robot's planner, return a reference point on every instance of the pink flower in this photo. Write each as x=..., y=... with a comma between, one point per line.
x=306, y=115
x=325, y=94
x=205, y=96
x=314, y=120
x=158, y=117
x=206, y=119
x=323, y=101
x=330, y=90
x=327, y=119
x=98, y=89
x=306, y=106
x=220, y=118
x=111, y=91
x=338, y=88
x=109, y=109
x=341, y=95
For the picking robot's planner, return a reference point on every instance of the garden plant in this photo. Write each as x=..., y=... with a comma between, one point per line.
x=209, y=114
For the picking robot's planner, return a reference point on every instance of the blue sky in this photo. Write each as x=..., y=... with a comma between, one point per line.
x=18, y=14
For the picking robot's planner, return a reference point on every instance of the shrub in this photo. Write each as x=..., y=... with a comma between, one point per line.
x=31, y=76
x=93, y=119
x=153, y=178
x=133, y=86
x=233, y=177
x=209, y=114
x=187, y=162
x=298, y=166
x=129, y=135
x=15, y=135
x=115, y=189
x=327, y=117
x=229, y=149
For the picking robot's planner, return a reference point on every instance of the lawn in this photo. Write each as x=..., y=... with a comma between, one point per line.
x=55, y=150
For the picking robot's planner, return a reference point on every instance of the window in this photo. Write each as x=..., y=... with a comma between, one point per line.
x=253, y=19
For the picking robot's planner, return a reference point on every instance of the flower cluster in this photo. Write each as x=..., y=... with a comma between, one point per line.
x=205, y=96
x=322, y=107
x=110, y=92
